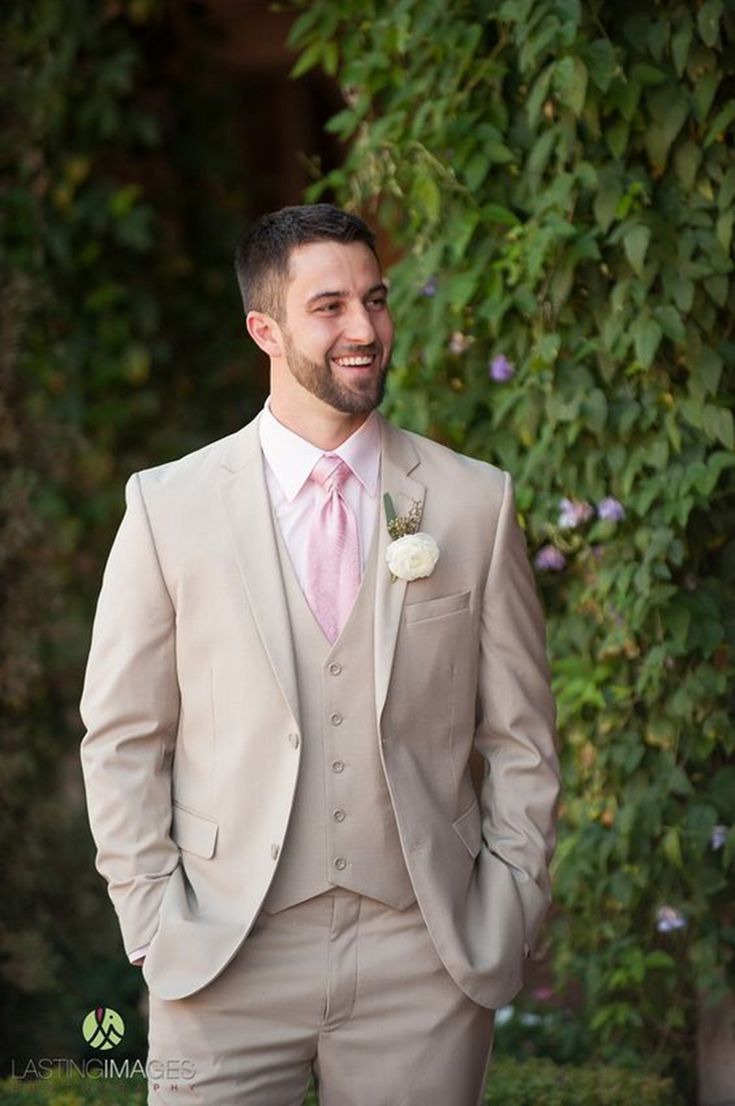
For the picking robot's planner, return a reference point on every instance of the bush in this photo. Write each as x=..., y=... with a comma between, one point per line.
x=543, y=1083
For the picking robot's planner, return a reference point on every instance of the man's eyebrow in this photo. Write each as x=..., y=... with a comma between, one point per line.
x=380, y=287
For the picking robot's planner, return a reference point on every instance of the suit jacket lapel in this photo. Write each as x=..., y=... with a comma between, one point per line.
x=399, y=458
x=247, y=510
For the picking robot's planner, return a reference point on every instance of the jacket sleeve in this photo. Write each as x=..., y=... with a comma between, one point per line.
x=130, y=708
x=516, y=718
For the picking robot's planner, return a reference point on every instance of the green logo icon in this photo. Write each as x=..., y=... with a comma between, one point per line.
x=103, y=1028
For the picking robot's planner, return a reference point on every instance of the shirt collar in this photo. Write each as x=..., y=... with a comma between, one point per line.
x=292, y=458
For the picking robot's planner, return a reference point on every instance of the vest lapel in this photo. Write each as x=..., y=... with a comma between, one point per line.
x=244, y=496
x=398, y=459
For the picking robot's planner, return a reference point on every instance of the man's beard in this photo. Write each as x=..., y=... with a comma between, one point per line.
x=318, y=378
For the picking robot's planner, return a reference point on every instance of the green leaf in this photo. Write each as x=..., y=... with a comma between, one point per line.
x=310, y=58
x=680, y=42
x=720, y=123
x=726, y=194
x=669, y=110
x=595, y=411
x=426, y=193
x=606, y=200
x=601, y=63
x=723, y=230
x=708, y=21
x=708, y=365
x=476, y=170
x=635, y=244
x=330, y=59
x=724, y=428
x=672, y=847
x=717, y=287
x=671, y=323
x=570, y=83
x=647, y=336
x=616, y=137
x=687, y=159
x=704, y=93
x=496, y=213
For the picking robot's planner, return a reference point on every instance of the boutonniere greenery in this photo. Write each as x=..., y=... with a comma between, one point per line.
x=412, y=553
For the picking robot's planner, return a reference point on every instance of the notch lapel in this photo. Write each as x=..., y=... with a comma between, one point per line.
x=398, y=459
x=246, y=504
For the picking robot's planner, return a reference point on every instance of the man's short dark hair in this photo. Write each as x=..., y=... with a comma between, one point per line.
x=263, y=253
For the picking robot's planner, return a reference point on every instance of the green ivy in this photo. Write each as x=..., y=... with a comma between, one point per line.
x=559, y=179
x=119, y=203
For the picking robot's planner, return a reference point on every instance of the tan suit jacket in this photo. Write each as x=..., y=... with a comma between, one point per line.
x=191, y=755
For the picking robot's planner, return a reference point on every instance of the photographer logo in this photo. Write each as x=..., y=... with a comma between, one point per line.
x=103, y=1028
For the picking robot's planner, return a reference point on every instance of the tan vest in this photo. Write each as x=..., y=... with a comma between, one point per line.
x=342, y=831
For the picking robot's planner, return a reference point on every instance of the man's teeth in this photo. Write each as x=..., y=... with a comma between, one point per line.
x=354, y=362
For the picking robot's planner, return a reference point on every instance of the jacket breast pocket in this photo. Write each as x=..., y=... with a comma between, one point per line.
x=194, y=833
x=437, y=608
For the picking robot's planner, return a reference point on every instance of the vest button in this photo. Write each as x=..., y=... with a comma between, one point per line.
x=335, y=668
x=294, y=739
x=336, y=718
x=339, y=816
x=275, y=850
x=337, y=766
x=340, y=863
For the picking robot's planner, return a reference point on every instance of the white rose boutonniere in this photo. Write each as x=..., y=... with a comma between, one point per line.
x=412, y=554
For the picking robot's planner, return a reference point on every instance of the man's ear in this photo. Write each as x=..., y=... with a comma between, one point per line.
x=265, y=332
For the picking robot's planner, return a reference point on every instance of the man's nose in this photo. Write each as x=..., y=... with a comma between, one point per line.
x=359, y=327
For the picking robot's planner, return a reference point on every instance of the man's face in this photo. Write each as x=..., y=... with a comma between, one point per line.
x=337, y=329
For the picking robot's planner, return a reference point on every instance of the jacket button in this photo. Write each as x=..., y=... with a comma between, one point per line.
x=294, y=739
x=337, y=766
x=335, y=668
x=339, y=816
x=340, y=863
x=275, y=850
x=336, y=719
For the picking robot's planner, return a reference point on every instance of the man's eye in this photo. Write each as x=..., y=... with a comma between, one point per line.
x=328, y=307
x=377, y=301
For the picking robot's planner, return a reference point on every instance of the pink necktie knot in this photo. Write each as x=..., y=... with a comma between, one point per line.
x=331, y=472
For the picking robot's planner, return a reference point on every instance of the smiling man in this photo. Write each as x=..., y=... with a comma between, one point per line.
x=281, y=727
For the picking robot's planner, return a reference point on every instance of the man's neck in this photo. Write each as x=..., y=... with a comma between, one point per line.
x=324, y=427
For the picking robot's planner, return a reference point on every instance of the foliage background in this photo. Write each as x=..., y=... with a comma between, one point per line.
x=560, y=178
x=120, y=199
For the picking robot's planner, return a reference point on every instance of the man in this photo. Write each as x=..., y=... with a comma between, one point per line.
x=281, y=724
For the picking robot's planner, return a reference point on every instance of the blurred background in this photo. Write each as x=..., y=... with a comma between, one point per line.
x=553, y=185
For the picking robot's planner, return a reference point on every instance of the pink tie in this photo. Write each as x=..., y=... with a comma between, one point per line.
x=333, y=550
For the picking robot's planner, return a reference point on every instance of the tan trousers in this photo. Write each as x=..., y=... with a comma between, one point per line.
x=341, y=986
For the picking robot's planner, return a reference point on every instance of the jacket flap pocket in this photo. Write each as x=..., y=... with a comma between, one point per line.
x=432, y=608
x=469, y=828
x=193, y=832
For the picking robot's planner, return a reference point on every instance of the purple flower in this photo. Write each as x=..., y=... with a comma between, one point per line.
x=718, y=837
x=574, y=512
x=429, y=288
x=501, y=369
x=611, y=509
x=668, y=919
x=550, y=557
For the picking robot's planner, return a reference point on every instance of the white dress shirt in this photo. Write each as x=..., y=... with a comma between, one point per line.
x=289, y=460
